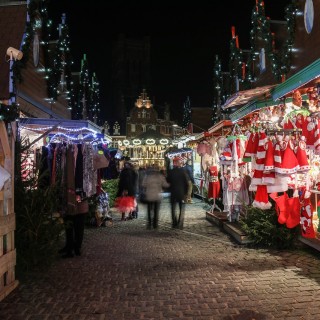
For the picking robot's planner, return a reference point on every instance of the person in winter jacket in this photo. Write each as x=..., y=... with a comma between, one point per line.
x=127, y=190
x=153, y=183
x=178, y=181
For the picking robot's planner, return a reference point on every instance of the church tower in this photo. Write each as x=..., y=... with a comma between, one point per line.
x=130, y=74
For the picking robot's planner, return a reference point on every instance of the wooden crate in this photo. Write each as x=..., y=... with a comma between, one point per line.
x=7, y=215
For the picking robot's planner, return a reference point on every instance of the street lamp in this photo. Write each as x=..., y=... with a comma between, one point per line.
x=14, y=54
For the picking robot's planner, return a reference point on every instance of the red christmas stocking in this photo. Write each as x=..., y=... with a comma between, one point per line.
x=307, y=230
x=281, y=202
x=293, y=210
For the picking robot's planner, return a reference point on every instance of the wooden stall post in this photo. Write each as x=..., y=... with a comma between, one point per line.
x=7, y=215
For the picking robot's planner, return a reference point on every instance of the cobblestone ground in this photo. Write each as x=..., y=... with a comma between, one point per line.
x=129, y=272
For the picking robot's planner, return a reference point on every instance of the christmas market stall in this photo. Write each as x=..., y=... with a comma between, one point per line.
x=52, y=143
x=274, y=148
x=300, y=97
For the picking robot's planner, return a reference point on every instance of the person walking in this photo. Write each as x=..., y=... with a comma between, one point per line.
x=153, y=183
x=177, y=178
x=127, y=191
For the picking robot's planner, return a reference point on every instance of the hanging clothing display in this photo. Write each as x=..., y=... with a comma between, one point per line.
x=214, y=183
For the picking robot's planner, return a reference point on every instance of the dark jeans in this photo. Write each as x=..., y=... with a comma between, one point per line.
x=177, y=222
x=74, y=232
x=155, y=207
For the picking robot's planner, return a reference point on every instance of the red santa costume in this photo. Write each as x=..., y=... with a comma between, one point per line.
x=261, y=197
x=307, y=230
x=214, y=183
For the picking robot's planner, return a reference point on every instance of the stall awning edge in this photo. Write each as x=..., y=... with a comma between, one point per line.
x=301, y=78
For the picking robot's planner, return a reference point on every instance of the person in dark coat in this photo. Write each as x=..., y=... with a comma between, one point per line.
x=127, y=184
x=178, y=181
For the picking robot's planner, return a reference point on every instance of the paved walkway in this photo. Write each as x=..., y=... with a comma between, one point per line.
x=198, y=273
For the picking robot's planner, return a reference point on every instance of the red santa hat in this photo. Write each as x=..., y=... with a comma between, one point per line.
x=290, y=163
x=261, y=199
x=176, y=161
x=268, y=173
x=277, y=154
x=302, y=156
x=252, y=145
x=269, y=160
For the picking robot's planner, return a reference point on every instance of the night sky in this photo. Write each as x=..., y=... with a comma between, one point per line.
x=184, y=40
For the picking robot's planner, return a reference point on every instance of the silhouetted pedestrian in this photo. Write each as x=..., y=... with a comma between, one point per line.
x=178, y=181
x=127, y=189
x=153, y=183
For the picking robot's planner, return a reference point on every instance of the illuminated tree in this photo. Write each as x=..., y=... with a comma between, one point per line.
x=186, y=113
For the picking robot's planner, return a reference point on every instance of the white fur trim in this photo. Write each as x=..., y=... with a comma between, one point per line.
x=277, y=159
x=307, y=194
x=304, y=168
x=261, y=205
x=259, y=167
x=268, y=180
x=268, y=168
x=262, y=142
x=261, y=154
x=288, y=171
x=256, y=181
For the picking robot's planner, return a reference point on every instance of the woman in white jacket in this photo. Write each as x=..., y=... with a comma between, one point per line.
x=153, y=183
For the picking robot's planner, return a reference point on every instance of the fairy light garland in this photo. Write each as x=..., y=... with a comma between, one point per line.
x=55, y=137
x=77, y=130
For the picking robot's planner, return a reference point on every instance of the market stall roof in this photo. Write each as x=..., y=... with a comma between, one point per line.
x=243, y=97
x=219, y=126
x=45, y=124
x=251, y=107
x=307, y=76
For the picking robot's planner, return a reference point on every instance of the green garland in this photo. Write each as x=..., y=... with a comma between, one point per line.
x=280, y=62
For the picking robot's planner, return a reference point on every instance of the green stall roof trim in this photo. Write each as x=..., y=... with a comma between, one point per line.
x=299, y=79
